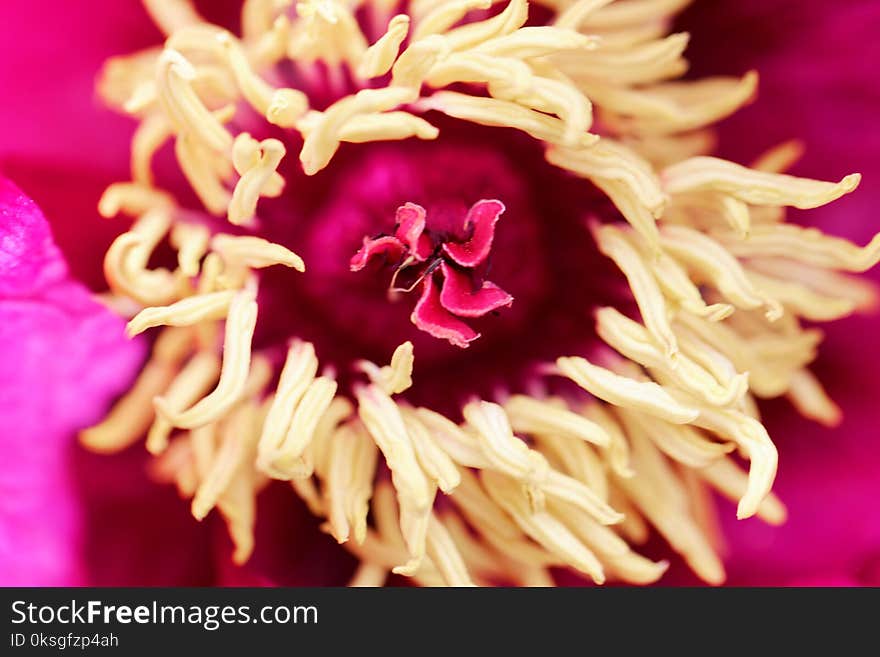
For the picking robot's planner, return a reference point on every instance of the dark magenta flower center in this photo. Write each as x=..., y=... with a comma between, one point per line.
x=423, y=216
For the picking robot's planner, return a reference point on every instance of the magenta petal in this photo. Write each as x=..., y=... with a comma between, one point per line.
x=389, y=246
x=459, y=297
x=481, y=218
x=430, y=316
x=63, y=358
x=411, y=230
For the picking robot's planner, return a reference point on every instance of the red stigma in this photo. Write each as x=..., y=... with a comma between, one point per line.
x=449, y=264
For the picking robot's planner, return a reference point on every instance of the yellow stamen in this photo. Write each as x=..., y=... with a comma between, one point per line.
x=646, y=290
x=434, y=461
x=542, y=526
x=379, y=57
x=254, y=252
x=236, y=362
x=299, y=370
x=191, y=383
x=754, y=187
x=353, y=458
x=530, y=415
x=186, y=312
x=622, y=391
x=184, y=108
x=253, y=181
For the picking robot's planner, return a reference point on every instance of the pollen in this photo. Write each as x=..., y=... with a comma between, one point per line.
x=666, y=403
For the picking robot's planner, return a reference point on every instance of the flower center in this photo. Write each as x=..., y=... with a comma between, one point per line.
x=526, y=288
x=449, y=261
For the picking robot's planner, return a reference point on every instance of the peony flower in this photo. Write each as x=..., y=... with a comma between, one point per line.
x=646, y=295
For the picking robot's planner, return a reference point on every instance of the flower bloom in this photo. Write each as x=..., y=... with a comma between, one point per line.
x=654, y=292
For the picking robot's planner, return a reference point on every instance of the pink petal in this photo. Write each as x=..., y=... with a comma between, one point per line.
x=387, y=246
x=482, y=217
x=63, y=358
x=411, y=230
x=459, y=297
x=68, y=198
x=430, y=316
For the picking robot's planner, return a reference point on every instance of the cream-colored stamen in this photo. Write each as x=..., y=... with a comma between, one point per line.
x=299, y=370
x=191, y=383
x=645, y=289
x=542, y=526
x=754, y=187
x=237, y=438
x=726, y=477
x=254, y=181
x=396, y=377
x=444, y=553
x=576, y=459
x=807, y=245
x=434, y=461
x=415, y=493
x=191, y=242
x=202, y=173
x=634, y=342
x=183, y=106
x=240, y=325
x=530, y=415
x=134, y=199
x=502, y=113
x=714, y=263
x=443, y=16
x=254, y=252
x=506, y=452
x=287, y=459
x=380, y=56
x=353, y=457
x=622, y=391
x=186, y=312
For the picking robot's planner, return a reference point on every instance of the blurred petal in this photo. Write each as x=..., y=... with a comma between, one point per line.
x=63, y=358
